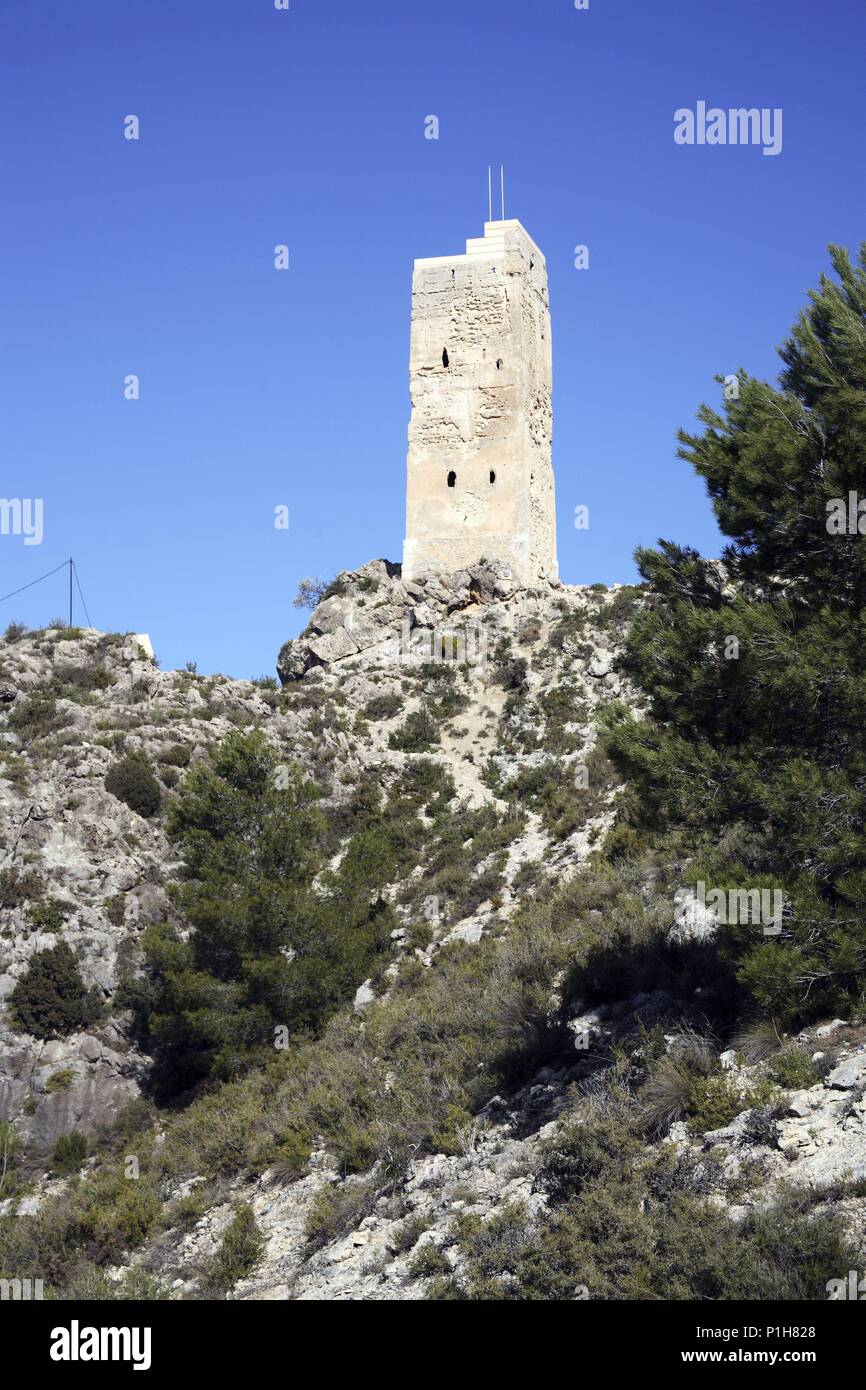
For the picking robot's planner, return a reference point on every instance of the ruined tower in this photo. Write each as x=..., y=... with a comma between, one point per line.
x=479, y=476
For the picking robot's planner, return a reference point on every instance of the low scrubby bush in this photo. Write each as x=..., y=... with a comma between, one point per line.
x=51, y=1000
x=132, y=781
x=70, y=1153
x=240, y=1251
x=418, y=732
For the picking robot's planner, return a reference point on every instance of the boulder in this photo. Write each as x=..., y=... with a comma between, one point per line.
x=849, y=1074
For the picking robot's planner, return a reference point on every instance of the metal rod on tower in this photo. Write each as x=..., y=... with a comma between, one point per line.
x=490, y=191
x=502, y=178
x=70, y=593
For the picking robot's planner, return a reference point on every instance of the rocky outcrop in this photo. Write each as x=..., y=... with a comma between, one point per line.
x=372, y=614
x=76, y=1083
x=819, y=1138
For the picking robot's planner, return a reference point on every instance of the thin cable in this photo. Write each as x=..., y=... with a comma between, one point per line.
x=80, y=594
x=34, y=581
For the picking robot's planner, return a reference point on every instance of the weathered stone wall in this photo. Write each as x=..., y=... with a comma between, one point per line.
x=479, y=478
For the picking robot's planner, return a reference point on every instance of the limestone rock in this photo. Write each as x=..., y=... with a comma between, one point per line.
x=694, y=922
x=599, y=665
x=365, y=995
x=850, y=1073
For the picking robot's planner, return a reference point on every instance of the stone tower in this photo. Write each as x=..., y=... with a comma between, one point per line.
x=480, y=478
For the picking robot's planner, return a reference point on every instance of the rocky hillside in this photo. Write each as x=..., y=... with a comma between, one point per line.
x=421, y=1142
x=80, y=865
x=390, y=1245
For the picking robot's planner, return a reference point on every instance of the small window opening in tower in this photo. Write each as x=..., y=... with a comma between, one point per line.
x=444, y=357
x=499, y=364
x=452, y=479
x=492, y=476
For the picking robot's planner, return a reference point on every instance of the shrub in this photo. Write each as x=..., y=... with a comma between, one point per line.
x=793, y=1068
x=48, y=915
x=14, y=632
x=667, y=1094
x=761, y=1124
x=70, y=1154
x=18, y=886
x=408, y=1234
x=450, y=703
x=585, y=1149
x=383, y=706
x=618, y=613
x=132, y=781
x=429, y=1261
x=88, y=1283
x=84, y=679
x=10, y=1147
x=51, y=999
x=311, y=592
x=621, y=842
x=60, y=1080
x=119, y=1214
x=15, y=769
x=618, y=1241
x=337, y=1210
x=290, y=1157
x=713, y=1101
x=178, y=755
x=418, y=732
x=115, y=909
x=242, y=1247
x=716, y=1100
x=550, y=789
x=511, y=671
x=34, y=716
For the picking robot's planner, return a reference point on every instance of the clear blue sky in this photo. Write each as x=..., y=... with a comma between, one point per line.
x=306, y=127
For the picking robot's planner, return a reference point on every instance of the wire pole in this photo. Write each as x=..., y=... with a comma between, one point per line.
x=81, y=596
x=73, y=574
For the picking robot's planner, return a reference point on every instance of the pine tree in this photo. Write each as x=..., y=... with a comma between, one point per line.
x=274, y=941
x=755, y=667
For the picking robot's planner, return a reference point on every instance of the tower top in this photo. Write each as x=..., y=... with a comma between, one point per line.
x=494, y=242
